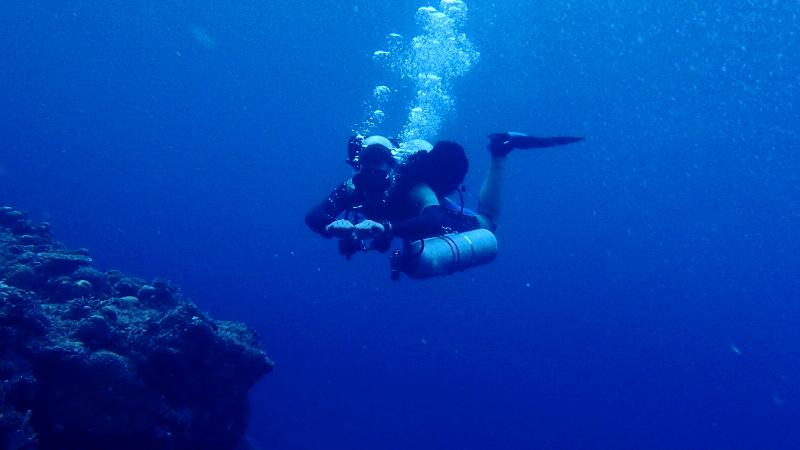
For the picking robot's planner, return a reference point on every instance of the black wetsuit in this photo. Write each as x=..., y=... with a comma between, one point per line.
x=406, y=221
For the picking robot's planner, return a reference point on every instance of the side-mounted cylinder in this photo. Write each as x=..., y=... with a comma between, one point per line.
x=445, y=255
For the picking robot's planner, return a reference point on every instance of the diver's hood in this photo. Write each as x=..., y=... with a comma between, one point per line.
x=401, y=151
x=378, y=140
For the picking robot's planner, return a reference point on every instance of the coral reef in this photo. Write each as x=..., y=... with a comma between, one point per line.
x=100, y=360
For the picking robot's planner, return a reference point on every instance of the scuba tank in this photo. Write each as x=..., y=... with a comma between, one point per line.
x=444, y=255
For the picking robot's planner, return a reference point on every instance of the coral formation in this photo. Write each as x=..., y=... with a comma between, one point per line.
x=100, y=360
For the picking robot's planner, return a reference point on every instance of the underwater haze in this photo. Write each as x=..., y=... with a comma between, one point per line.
x=646, y=294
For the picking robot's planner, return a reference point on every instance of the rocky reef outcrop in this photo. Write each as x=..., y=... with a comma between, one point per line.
x=95, y=359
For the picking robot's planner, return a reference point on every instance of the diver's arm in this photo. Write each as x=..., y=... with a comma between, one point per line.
x=326, y=212
x=427, y=224
x=430, y=220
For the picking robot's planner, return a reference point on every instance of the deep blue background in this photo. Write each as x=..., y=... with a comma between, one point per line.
x=632, y=265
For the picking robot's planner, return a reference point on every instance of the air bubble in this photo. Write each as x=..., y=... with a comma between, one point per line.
x=432, y=60
x=381, y=92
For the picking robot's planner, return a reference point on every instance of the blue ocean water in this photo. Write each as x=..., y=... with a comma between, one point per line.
x=646, y=294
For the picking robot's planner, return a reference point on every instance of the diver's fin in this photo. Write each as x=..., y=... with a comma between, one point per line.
x=500, y=144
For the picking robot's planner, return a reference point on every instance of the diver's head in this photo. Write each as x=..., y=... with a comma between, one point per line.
x=377, y=140
x=444, y=167
x=358, y=144
x=375, y=165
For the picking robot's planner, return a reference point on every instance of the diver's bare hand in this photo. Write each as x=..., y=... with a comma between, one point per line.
x=340, y=229
x=368, y=229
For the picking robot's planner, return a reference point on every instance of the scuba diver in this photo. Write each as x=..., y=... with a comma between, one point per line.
x=404, y=192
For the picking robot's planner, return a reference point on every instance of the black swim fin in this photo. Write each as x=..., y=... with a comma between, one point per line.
x=500, y=144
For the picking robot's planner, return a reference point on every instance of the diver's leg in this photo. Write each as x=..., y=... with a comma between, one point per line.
x=500, y=145
x=489, y=200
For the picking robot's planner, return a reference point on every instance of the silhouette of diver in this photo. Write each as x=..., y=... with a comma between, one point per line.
x=391, y=197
